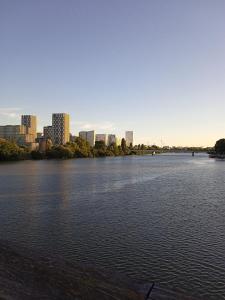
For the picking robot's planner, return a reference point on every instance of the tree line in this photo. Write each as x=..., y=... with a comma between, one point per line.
x=80, y=148
x=9, y=150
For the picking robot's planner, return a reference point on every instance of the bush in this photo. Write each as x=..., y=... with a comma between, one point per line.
x=59, y=152
x=37, y=155
x=11, y=151
x=220, y=146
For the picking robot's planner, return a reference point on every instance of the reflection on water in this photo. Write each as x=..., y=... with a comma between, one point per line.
x=156, y=218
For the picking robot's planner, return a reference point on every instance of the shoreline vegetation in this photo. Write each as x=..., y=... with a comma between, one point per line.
x=10, y=151
x=218, y=151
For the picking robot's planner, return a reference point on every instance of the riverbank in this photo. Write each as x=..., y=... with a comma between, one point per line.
x=10, y=151
x=25, y=275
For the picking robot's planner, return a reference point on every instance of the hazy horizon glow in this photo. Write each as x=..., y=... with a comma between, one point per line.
x=154, y=67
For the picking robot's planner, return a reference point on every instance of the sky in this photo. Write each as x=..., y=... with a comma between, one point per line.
x=156, y=67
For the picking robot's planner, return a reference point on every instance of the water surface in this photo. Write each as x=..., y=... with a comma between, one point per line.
x=158, y=218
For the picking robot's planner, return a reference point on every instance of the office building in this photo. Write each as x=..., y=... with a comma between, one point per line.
x=129, y=137
x=31, y=125
x=101, y=138
x=61, y=128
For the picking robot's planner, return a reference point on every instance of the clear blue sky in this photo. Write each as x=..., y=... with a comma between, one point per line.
x=153, y=66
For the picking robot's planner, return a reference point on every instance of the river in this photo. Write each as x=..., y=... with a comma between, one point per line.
x=155, y=218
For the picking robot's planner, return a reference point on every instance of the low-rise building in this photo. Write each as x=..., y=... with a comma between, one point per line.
x=12, y=130
x=16, y=133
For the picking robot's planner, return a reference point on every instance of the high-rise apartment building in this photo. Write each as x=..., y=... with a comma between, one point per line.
x=61, y=128
x=129, y=137
x=112, y=139
x=91, y=138
x=48, y=132
x=31, y=125
x=83, y=135
x=88, y=136
x=101, y=138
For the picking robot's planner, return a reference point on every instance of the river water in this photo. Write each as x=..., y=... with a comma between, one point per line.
x=158, y=218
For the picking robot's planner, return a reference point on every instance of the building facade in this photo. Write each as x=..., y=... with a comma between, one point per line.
x=129, y=137
x=16, y=133
x=72, y=138
x=83, y=135
x=88, y=136
x=48, y=132
x=91, y=138
x=112, y=139
x=61, y=128
x=101, y=138
x=30, y=122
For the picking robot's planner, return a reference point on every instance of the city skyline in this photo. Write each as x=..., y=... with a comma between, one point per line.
x=152, y=66
x=106, y=129
x=58, y=132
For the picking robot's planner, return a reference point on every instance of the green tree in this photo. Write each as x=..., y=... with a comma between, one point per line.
x=123, y=145
x=80, y=148
x=59, y=152
x=154, y=147
x=100, y=145
x=114, y=149
x=48, y=144
x=220, y=146
x=11, y=151
x=37, y=155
